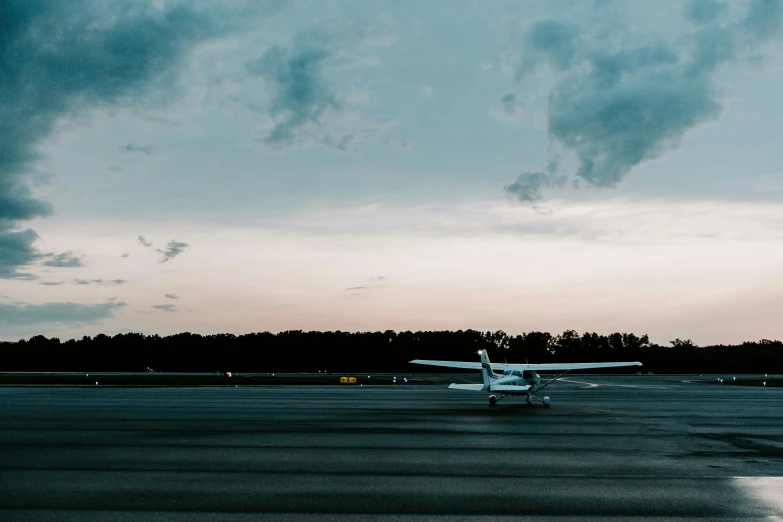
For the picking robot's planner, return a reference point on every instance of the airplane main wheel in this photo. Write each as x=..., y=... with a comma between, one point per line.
x=528, y=400
x=546, y=402
x=492, y=400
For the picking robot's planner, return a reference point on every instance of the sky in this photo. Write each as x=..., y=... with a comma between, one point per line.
x=241, y=166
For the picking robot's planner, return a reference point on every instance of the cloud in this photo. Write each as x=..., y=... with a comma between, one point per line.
x=99, y=281
x=27, y=314
x=51, y=283
x=171, y=296
x=427, y=90
x=135, y=148
x=16, y=248
x=64, y=260
x=143, y=241
x=301, y=95
x=550, y=41
x=614, y=109
x=173, y=249
x=704, y=11
x=165, y=307
x=402, y=143
x=508, y=109
x=306, y=107
x=125, y=255
x=355, y=288
x=529, y=185
x=114, y=168
x=61, y=59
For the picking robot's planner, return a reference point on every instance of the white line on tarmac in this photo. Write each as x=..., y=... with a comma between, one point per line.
x=594, y=385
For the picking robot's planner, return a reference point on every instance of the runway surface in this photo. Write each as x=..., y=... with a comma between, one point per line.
x=618, y=448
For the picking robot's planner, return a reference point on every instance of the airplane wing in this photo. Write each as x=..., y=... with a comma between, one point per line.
x=469, y=387
x=450, y=364
x=561, y=367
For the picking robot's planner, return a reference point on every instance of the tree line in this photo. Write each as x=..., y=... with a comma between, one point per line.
x=389, y=351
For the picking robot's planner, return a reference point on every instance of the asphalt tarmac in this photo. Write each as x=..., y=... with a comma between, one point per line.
x=612, y=447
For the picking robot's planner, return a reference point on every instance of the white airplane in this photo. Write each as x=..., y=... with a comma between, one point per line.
x=517, y=379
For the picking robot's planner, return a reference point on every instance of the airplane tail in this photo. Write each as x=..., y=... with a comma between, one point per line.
x=487, y=374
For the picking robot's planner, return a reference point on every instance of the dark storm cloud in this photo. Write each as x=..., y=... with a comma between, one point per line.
x=165, y=307
x=64, y=260
x=173, y=249
x=171, y=296
x=25, y=314
x=616, y=109
x=16, y=250
x=143, y=241
x=135, y=148
x=301, y=95
x=58, y=59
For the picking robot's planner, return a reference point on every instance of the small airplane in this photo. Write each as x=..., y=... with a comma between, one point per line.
x=517, y=379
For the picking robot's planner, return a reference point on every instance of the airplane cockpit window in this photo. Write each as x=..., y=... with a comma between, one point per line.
x=527, y=374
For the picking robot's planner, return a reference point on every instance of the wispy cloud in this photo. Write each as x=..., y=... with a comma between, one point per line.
x=143, y=241
x=508, y=109
x=402, y=143
x=64, y=260
x=51, y=283
x=165, y=307
x=135, y=148
x=529, y=185
x=99, y=281
x=173, y=249
x=29, y=314
x=171, y=296
x=307, y=108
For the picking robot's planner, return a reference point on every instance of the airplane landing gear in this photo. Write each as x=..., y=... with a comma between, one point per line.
x=545, y=401
x=494, y=399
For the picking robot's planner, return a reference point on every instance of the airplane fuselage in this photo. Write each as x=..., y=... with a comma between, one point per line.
x=520, y=378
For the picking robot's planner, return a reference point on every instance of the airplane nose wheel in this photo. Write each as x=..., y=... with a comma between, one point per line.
x=528, y=400
x=492, y=400
x=546, y=402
